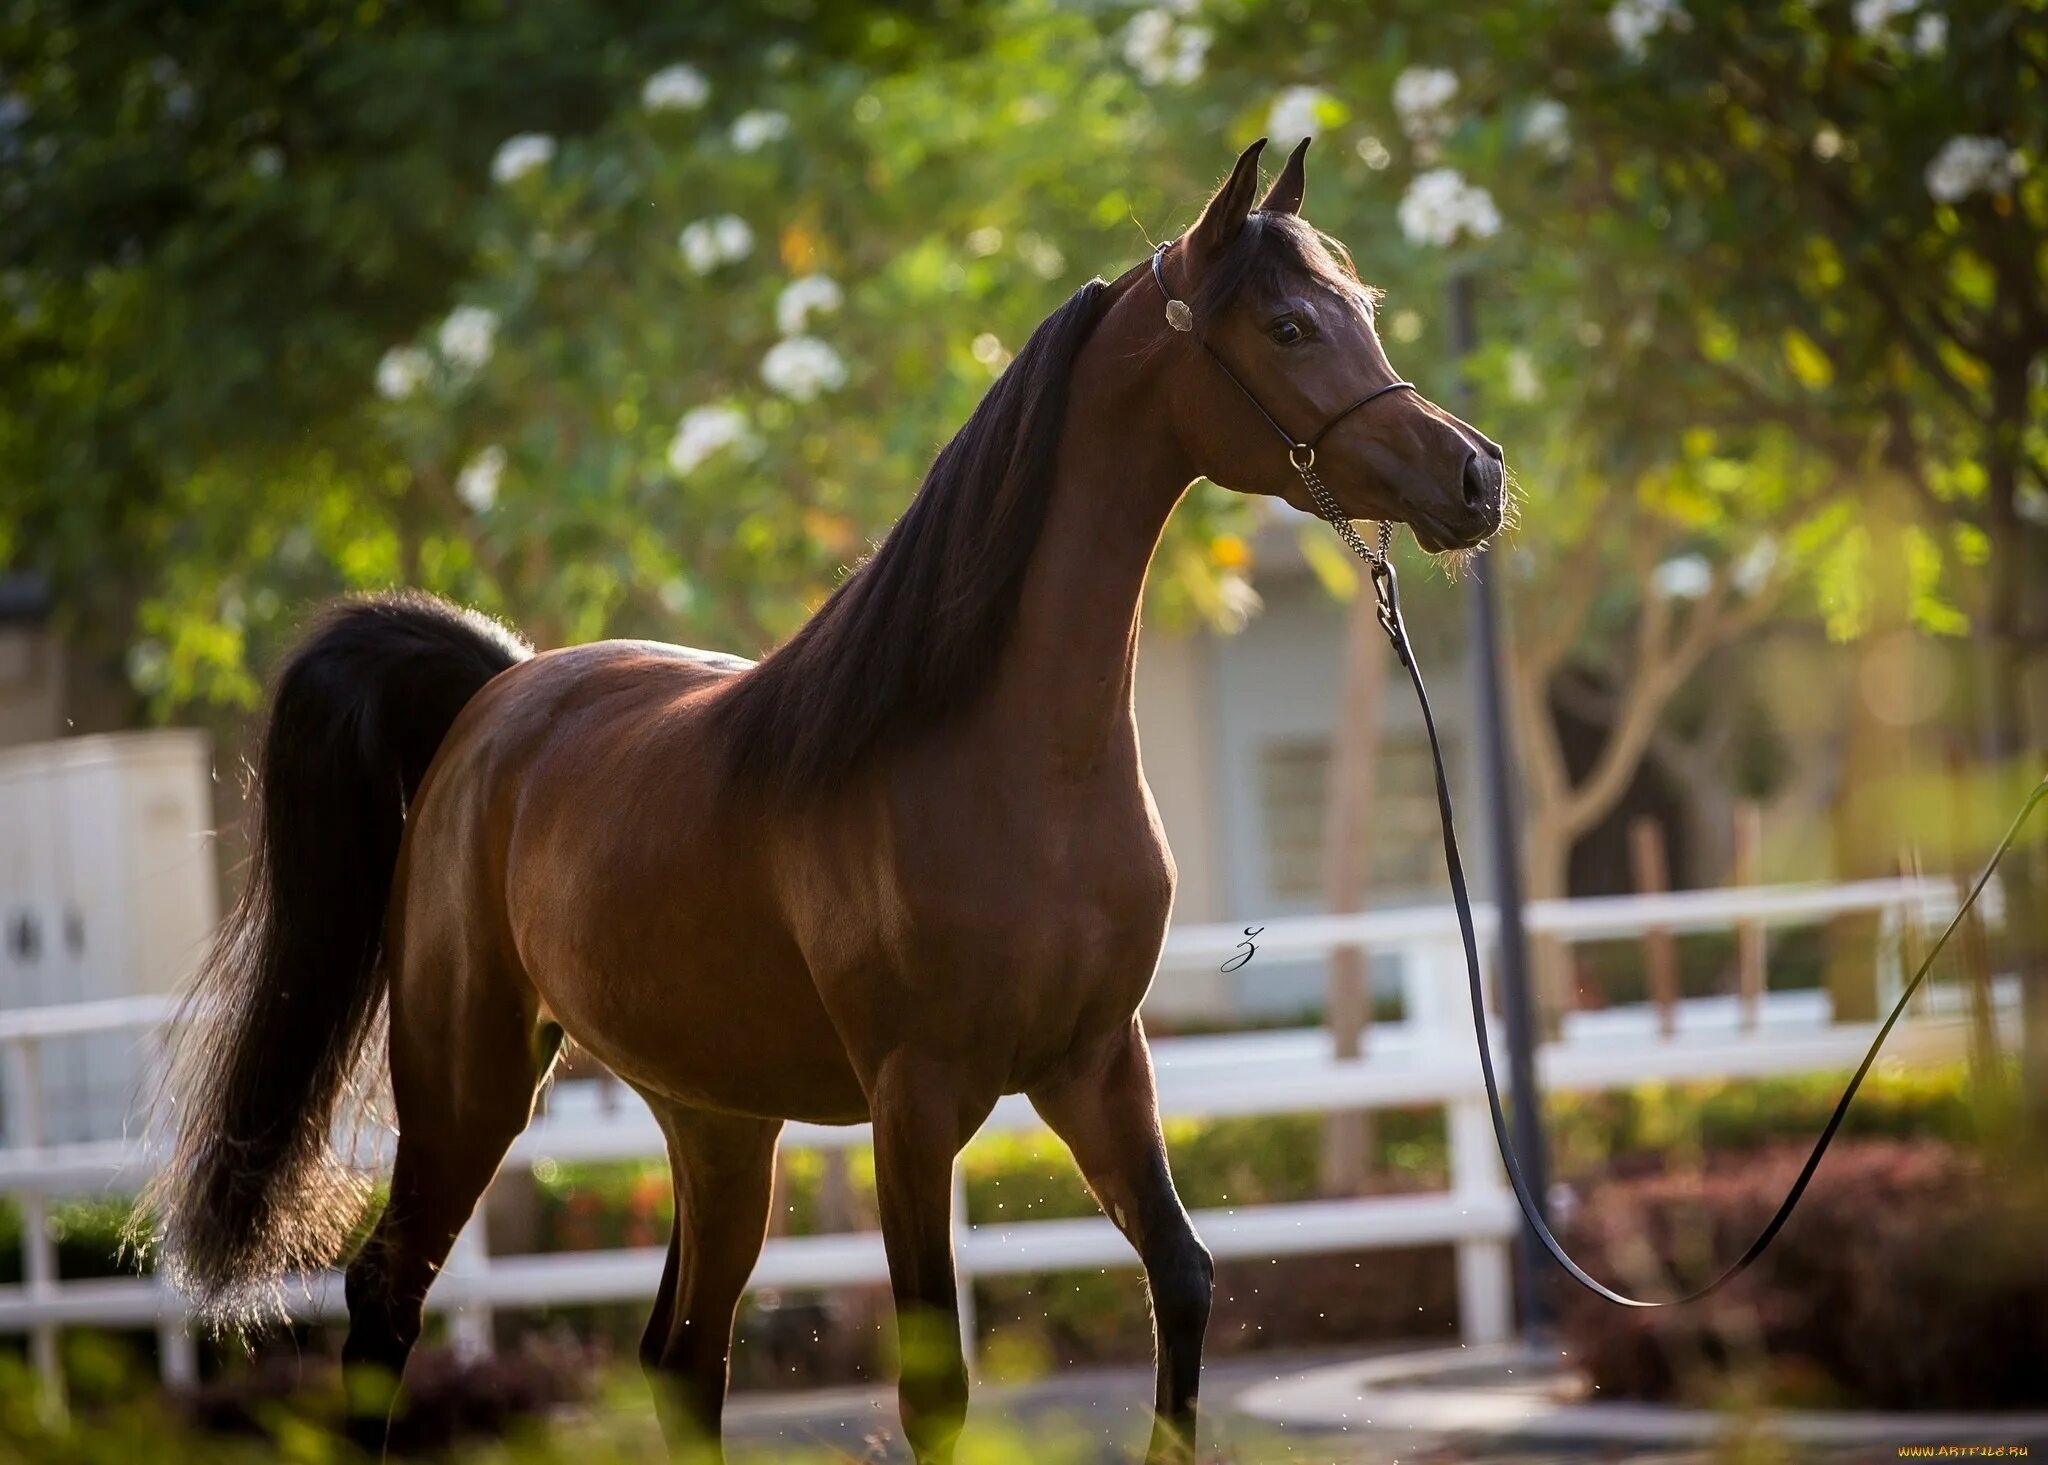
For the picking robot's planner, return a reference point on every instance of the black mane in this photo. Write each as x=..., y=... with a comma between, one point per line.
x=913, y=633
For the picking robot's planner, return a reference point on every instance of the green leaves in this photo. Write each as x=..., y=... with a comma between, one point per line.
x=234, y=250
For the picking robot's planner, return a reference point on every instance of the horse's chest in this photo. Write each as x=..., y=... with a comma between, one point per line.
x=1064, y=910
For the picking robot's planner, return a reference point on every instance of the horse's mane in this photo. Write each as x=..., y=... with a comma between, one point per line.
x=914, y=632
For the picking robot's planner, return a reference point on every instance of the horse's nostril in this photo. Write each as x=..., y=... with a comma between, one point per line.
x=1483, y=480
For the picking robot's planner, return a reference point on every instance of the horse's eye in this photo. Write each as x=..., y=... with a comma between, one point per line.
x=1286, y=331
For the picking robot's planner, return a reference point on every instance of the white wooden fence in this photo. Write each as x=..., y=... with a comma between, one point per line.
x=1427, y=1058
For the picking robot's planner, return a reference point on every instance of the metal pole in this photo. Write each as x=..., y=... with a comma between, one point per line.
x=1518, y=1008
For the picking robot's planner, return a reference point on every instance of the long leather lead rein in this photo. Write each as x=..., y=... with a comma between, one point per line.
x=1387, y=590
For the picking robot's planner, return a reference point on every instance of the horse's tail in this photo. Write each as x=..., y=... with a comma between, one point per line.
x=270, y=1050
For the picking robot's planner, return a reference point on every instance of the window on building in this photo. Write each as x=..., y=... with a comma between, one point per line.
x=1401, y=827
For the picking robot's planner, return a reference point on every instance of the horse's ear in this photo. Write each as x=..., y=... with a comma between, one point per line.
x=1224, y=217
x=1285, y=195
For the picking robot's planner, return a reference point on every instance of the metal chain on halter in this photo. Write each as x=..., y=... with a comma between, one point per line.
x=1384, y=589
x=1326, y=505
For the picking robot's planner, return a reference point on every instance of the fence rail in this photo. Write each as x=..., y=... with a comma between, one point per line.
x=1426, y=1059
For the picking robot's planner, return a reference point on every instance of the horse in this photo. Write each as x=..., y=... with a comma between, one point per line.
x=903, y=865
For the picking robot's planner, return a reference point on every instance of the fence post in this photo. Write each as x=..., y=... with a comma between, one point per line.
x=1485, y=1270
x=1660, y=949
x=1973, y=959
x=469, y=1329
x=963, y=1274
x=1749, y=933
x=24, y=1079
x=177, y=1352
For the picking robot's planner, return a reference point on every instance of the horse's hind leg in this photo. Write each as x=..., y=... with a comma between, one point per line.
x=724, y=1169
x=1108, y=1114
x=466, y=1058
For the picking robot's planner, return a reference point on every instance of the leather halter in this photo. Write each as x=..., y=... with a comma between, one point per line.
x=1300, y=452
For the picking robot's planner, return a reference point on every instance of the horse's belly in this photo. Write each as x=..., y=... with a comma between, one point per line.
x=753, y=1042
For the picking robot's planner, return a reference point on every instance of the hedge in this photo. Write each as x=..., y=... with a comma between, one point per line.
x=1913, y=1277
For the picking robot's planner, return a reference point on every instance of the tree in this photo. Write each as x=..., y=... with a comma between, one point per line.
x=1656, y=528
x=217, y=222
x=478, y=271
x=1759, y=266
x=1852, y=237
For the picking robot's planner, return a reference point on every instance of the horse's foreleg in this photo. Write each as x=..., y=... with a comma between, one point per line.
x=724, y=1168
x=922, y=1117
x=1108, y=1114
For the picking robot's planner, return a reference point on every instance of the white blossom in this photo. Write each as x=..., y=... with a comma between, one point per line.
x=266, y=161
x=735, y=240
x=709, y=243
x=1163, y=49
x=1633, y=22
x=1294, y=113
x=567, y=251
x=800, y=297
x=703, y=431
x=1524, y=383
x=1967, y=165
x=1237, y=599
x=1686, y=577
x=800, y=367
x=468, y=336
x=676, y=595
x=180, y=100
x=678, y=88
x=1872, y=16
x=1875, y=20
x=1422, y=99
x=1546, y=127
x=402, y=371
x=477, y=483
x=519, y=156
x=752, y=131
x=1753, y=570
x=1440, y=205
x=987, y=348
x=1041, y=254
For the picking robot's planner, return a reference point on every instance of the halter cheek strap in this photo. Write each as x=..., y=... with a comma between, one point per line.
x=1301, y=453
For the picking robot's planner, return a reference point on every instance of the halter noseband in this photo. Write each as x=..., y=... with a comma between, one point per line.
x=1300, y=454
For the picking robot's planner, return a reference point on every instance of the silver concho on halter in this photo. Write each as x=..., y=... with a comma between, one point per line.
x=1179, y=316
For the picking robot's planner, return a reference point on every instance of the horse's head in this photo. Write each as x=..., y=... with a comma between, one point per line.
x=1304, y=380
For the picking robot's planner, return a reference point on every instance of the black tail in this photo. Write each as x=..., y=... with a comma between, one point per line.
x=276, y=1029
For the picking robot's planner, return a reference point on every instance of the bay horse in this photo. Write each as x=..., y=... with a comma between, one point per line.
x=904, y=865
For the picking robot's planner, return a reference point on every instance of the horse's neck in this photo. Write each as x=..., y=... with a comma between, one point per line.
x=1064, y=690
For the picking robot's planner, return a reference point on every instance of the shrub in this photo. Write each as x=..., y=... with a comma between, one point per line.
x=1646, y=1128
x=1910, y=1277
